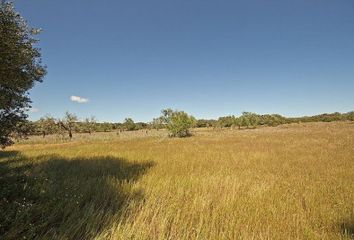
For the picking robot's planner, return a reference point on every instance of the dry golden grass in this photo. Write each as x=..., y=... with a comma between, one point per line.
x=289, y=182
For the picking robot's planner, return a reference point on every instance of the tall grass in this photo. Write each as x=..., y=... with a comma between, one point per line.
x=288, y=182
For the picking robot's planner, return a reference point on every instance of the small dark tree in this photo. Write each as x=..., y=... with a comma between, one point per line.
x=129, y=124
x=20, y=68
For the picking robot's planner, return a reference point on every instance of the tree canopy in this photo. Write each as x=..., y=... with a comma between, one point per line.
x=178, y=122
x=20, y=68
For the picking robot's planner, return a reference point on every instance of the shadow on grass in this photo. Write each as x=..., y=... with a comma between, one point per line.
x=347, y=227
x=8, y=154
x=50, y=197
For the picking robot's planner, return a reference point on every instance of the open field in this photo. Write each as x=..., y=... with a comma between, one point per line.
x=288, y=182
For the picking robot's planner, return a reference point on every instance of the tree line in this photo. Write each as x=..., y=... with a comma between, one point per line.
x=178, y=123
x=253, y=120
x=70, y=123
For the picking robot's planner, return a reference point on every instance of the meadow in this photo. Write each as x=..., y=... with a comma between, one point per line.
x=288, y=182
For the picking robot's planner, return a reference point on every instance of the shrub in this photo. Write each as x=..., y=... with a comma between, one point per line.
x=178, y=123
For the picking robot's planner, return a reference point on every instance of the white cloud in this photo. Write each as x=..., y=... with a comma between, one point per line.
x=33, y=110
x=79, y=99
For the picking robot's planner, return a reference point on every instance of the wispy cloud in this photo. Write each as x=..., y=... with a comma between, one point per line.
x=79, y=99
x=33, y=110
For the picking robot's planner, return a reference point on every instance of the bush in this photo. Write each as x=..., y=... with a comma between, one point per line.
x=178, y=123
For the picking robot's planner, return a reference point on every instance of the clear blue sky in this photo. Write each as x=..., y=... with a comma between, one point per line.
x=210, y=58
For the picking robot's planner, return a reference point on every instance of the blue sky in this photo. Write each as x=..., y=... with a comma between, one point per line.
x=209, y=58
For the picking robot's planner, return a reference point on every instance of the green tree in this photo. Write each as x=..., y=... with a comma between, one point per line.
x=69, y=123
x=20, y=68
x=227, y=121
x=23, y=129
x=129, y=124
x=46, y=125
x=350, y=116
x=89, y=124
x=237, y=121
x=157, y=123
x=106, y=127
x=249, y=120
x=178, y=122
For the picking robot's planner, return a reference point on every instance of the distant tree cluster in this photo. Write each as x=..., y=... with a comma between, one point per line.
x=70, y=124
x=252, y=120
x=130, y=125
x=326, y=117
x=178, y=123
x=205, y=123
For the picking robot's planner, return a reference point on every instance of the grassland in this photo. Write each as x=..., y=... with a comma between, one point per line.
x=288, y=182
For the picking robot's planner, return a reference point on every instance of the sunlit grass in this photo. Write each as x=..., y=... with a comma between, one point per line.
x=289, y=182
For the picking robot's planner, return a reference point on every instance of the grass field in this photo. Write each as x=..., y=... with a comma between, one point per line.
x=288, y=182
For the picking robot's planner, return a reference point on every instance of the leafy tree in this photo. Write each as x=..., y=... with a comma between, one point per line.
x=23, y=129
x=129, y=124
x=69, y=123
x=157, y=123
x=349, y=116
x=106, y=127
x=141, y=125
x=178, y=122
x=271, y=120
x=227, y=121
x=20, y=68
x=89, y=124
x=237, y=122
x=46, y=125
x=249, y=120
x=101, y=127
x=201, y=123
x=326, y=117
x=116, y=126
